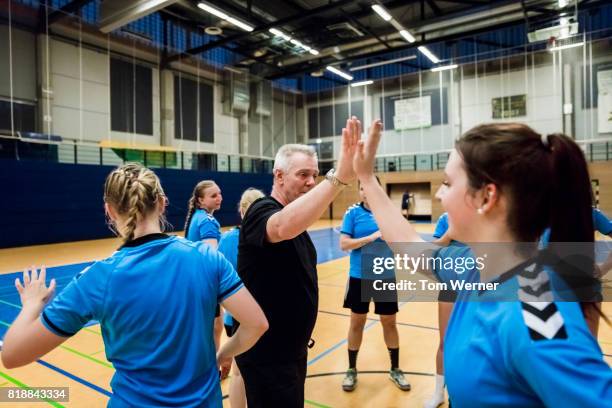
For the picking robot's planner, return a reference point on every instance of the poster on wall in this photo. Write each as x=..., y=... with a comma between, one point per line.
x=604, y=101
x=509, y=106
x=412, y=113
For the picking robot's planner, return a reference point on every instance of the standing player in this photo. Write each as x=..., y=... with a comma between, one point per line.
x=201, y=225
x=359, y=229
x=505, y=183
x=143, y=295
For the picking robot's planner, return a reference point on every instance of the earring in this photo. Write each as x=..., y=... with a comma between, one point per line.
x=480, y=211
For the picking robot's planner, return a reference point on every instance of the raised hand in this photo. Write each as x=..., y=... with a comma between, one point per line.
x=34, y=291
x=351, y=135
x=363, y=160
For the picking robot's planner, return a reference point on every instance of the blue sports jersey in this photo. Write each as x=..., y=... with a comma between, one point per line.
x=527, y=353
x=441, y=226
x=156, y=304
x=601, y=223
x=203, y=226
x=228, y=246
x=358, y=222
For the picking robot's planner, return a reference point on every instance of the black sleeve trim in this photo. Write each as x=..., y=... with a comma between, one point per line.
x=230, y=290
x=55, y=328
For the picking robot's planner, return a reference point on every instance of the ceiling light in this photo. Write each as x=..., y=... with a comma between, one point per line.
x=380, y=10
x=444, y=68
x=429, y=54
x=362, y=83
x=313, y=52
x=564, y=47
x=407, y=36
x=222, y=15
x=340, y=73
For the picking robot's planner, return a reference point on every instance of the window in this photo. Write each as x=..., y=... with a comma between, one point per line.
x=188, y=108
x=24, y=116
x=131, y=98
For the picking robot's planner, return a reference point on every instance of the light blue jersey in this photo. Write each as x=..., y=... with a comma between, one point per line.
x=203, y=226
x=155, y=299
x=441, y=226
x=532, y=352
x=228, y=246
x=358, y=222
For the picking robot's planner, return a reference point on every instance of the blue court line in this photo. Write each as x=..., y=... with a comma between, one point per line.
x=376, y=320
x=335, y=346
x=75, y=378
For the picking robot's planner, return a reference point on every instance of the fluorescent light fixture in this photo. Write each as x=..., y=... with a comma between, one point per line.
x=429, y=54
x=397, y=25
x=340, y=73
x=362, y=83
x=564, y=47
x=297, y=43
x=216, y=12
x=313, y=51
x=380, y=10
x=444, y=68
x=563, y=3
x=280, y=34
x=407, y=36
x=377, y=64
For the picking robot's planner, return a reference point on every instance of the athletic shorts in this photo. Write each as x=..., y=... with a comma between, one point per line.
x=353, y=298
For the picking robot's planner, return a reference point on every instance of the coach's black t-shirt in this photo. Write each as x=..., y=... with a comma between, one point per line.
x=282, y=277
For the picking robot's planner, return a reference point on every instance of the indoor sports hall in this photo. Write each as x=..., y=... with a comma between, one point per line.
x=211, y=90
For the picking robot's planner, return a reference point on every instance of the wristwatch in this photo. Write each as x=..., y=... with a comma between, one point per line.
x=336, y=182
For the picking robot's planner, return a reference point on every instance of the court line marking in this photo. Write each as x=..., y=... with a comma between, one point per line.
x=367, y=372
x=76, y=378
x=378, y=320
x=27, y=387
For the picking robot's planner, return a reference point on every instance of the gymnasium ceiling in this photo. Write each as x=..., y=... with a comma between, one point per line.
x=346, y=33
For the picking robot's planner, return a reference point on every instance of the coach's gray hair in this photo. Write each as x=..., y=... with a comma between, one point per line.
x=281, y=161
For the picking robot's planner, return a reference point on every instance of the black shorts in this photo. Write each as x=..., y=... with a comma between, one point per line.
x=217, y=311
x=449, y=296
x=354, y=300
x=230, y=329
x=274, y=384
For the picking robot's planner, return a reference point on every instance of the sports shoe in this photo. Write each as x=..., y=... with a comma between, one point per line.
x=397, y=376
x=350, y=380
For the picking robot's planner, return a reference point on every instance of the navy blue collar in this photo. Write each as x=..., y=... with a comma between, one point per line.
x=143, y=240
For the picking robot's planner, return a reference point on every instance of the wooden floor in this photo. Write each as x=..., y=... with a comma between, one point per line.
x=80, y=363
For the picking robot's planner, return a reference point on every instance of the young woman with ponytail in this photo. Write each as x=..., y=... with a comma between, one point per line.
x=505, y=183
x=154, y=298
x=200, y=224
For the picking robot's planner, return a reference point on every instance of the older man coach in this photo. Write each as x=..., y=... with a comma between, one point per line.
x=277, y=263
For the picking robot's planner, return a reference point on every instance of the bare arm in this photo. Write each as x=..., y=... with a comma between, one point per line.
x=394, y=227
x=253, y=324
x=27, y=339
x=298, y=215
x=347, y=243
